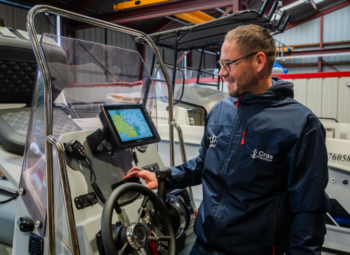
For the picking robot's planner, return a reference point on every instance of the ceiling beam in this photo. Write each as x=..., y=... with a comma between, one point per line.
x=319, y=14
x=315, y=64
x=167, y=9
x=228, y=9
x=288, y=2
x=136, y=4
x=317, y=52
x=196, y=17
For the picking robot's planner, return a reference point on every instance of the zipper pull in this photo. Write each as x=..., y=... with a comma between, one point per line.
x=238, y=101
x=244, y=132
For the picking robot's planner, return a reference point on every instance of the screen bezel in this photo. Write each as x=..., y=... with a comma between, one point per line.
x=132, y=143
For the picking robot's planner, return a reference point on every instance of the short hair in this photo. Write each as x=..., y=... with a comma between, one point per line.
x=251, y=38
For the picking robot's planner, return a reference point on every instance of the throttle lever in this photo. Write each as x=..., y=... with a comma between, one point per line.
x=161, y=175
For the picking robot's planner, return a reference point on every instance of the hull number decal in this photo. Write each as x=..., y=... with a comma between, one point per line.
x=338, y=157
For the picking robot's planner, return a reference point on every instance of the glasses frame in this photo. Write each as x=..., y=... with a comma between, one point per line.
x=222, y=63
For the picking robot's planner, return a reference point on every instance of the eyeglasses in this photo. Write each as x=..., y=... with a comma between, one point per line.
x=226, y=65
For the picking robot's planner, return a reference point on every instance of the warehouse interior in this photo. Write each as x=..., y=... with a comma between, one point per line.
x=66, y=64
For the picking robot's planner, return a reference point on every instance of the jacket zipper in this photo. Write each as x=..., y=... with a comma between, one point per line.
x=274, y=236
x=238, y=101
x=239, y=150
x=223, y=171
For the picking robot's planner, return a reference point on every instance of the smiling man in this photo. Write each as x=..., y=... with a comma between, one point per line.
x=262, y=161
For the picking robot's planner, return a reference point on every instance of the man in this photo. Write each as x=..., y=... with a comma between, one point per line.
x=262, y=164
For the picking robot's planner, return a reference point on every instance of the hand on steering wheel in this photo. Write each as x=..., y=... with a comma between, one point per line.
x=150, y=178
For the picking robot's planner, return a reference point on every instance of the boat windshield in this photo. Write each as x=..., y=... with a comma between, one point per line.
x=84, y=76
x=161, y=86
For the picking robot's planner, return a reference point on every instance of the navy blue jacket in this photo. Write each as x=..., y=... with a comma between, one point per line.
x=263, y=167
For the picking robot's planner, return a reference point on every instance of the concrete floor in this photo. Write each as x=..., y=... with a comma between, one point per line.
x=5, y=250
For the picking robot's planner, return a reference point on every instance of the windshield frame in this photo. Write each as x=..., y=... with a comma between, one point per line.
x=48, y=105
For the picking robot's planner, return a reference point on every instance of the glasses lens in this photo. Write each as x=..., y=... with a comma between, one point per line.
x=224, y=64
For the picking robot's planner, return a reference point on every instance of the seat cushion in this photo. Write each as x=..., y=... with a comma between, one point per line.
x=14, y=127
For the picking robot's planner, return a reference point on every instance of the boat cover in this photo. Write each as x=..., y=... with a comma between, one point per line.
x=209, y=34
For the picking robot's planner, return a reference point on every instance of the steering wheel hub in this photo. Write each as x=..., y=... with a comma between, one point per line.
x=133, y=235
x=136, y=234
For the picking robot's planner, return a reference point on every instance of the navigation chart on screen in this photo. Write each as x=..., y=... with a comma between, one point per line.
x=130, y=124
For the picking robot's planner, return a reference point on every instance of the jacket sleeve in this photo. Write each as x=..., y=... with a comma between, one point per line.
x=308, y=178
x=189, y=173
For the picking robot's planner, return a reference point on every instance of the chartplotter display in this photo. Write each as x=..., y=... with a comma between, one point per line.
x=129, y=124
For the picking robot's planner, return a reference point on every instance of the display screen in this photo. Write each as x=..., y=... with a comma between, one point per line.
x=130, y=124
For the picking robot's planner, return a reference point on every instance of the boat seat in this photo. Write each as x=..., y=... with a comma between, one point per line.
x=14, y=127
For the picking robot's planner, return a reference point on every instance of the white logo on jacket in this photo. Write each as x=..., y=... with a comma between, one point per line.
x=261, y=155
x=213, y=141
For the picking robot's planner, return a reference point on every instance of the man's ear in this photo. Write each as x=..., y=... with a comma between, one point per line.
x=261, y=61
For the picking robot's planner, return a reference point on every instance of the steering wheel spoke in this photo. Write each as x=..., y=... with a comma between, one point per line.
x=135, y=234
x=121, y=217
x=140, y=213
x=144, y=201
x=143, y=206
x=121, y=251
x=159, y=238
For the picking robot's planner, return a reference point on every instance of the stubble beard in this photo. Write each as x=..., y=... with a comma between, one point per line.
x=245, y=83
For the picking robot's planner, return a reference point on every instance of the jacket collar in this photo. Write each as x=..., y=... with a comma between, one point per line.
x=279, y=88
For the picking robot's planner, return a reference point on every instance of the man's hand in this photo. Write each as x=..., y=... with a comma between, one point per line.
x=150, y=178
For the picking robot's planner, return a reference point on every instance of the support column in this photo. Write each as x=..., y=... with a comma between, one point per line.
x=189, y=59
x=236, y=5
x=142, y=50
x=319, y=65
x=321, y=44
x=175, y=61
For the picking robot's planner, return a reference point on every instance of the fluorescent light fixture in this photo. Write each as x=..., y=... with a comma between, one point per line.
x=289, y=6
x=318, y=1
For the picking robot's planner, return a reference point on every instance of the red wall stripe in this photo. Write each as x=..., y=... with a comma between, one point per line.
x=313, y=75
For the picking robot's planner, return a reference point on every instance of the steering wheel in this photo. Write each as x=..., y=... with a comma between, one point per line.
x=133, y=236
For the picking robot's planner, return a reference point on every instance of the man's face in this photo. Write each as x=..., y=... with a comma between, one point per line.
x=242, y=76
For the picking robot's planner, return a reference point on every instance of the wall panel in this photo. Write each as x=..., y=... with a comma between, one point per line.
x=314, y=96
x=113, y=38
x=344, y=100
x=308, y=32
x=300, y=90
x=336, y=25
x=16, y=18
x=302, y=69
x=340, y=68
x=329, y=97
